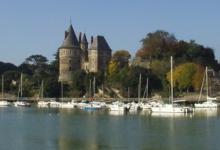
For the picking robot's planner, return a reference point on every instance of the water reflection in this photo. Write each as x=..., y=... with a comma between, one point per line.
x=117, y=113
x=78, y=130
x=173, y=115
x=206, y=112
x=67, y=129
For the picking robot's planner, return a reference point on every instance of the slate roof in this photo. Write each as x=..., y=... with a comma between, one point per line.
x=70, y=39
x=99, y=43
x=84, y=39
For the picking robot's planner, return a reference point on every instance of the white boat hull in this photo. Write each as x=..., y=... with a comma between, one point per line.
x=168, y=108
x=207, y=104
x=43, y=104
x=4, y=103
x=21, y=104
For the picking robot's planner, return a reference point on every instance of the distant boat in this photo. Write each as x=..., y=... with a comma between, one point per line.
x=41, y=103
x=209, y=103
x=170, y=108
x=91, y=105
x=147, y=105
x=21, y=104
x=133, y=106
x=118, y=106
x=20, y=100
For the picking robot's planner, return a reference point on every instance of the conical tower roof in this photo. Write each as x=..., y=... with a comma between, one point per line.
x=71, y=39
x=84, y=39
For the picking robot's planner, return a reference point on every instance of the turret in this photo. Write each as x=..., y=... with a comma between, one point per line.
x=84, y=42
x=80, y=36
x=69, y=56
x=84, y=48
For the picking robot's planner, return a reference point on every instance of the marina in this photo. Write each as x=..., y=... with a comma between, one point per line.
x=109, y=75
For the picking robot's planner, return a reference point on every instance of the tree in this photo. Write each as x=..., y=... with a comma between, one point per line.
x=11, y=79
x=132, y=81
x=155, y=44
x=198, y=77
x=36, y=60
x=113, y=68
x=122, y=57
x=78, y=87
x=6, y=67
x=187, y=76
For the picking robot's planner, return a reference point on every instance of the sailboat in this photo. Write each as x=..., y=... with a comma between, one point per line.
x=137, y=106
x=19, y=101
x=209, y=103
x=3, y=103
x=94, y=105
x=41, y=102
x=146, y=105
x=170, y=108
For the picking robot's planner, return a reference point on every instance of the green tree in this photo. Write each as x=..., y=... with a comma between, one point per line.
x=155, y=44
x=121, y=57
x=36, y=60
x=6, y=67
x=113, y=68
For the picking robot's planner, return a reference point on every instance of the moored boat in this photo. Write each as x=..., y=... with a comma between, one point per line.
x=4, y=103
x=21, y=104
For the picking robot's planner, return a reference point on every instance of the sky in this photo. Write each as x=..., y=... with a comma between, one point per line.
x=30, y=27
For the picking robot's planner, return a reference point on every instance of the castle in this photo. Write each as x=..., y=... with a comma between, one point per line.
x=76, y=54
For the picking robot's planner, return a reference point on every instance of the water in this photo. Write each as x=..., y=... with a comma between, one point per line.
x=54, y=129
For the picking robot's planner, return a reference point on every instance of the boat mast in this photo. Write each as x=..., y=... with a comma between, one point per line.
x=42, y=89
x=171, y=80
x=207, y=85
x=21, y=85
x=61, y=91
x=2, y=87
x=139, y=88
x=147, y=89
x=90, y=87
x=203, y=80
x=128, y=93
x=102, y=91
x=94, y=86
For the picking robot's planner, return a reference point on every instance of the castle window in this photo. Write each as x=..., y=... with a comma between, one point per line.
x=70, y=68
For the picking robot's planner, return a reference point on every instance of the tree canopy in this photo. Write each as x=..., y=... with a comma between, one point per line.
x=161, y=45
x=187, y=76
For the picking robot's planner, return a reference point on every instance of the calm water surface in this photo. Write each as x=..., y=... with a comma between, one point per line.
x=54, y=129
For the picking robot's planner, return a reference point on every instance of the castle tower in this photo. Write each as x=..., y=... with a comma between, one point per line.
x=99, y=54
x=84, y=42
x=69, y=56
x=84, y=49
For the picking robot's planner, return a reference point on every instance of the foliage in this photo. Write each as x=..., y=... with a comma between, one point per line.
x=161, y=45
x=113, y=68
x=198, y=77
x=36, y=60
x=121, y=57
x=157, y=44
x=6, y=67
x=187, y=76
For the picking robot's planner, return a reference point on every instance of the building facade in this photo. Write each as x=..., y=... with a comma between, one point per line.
x=76, y=53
